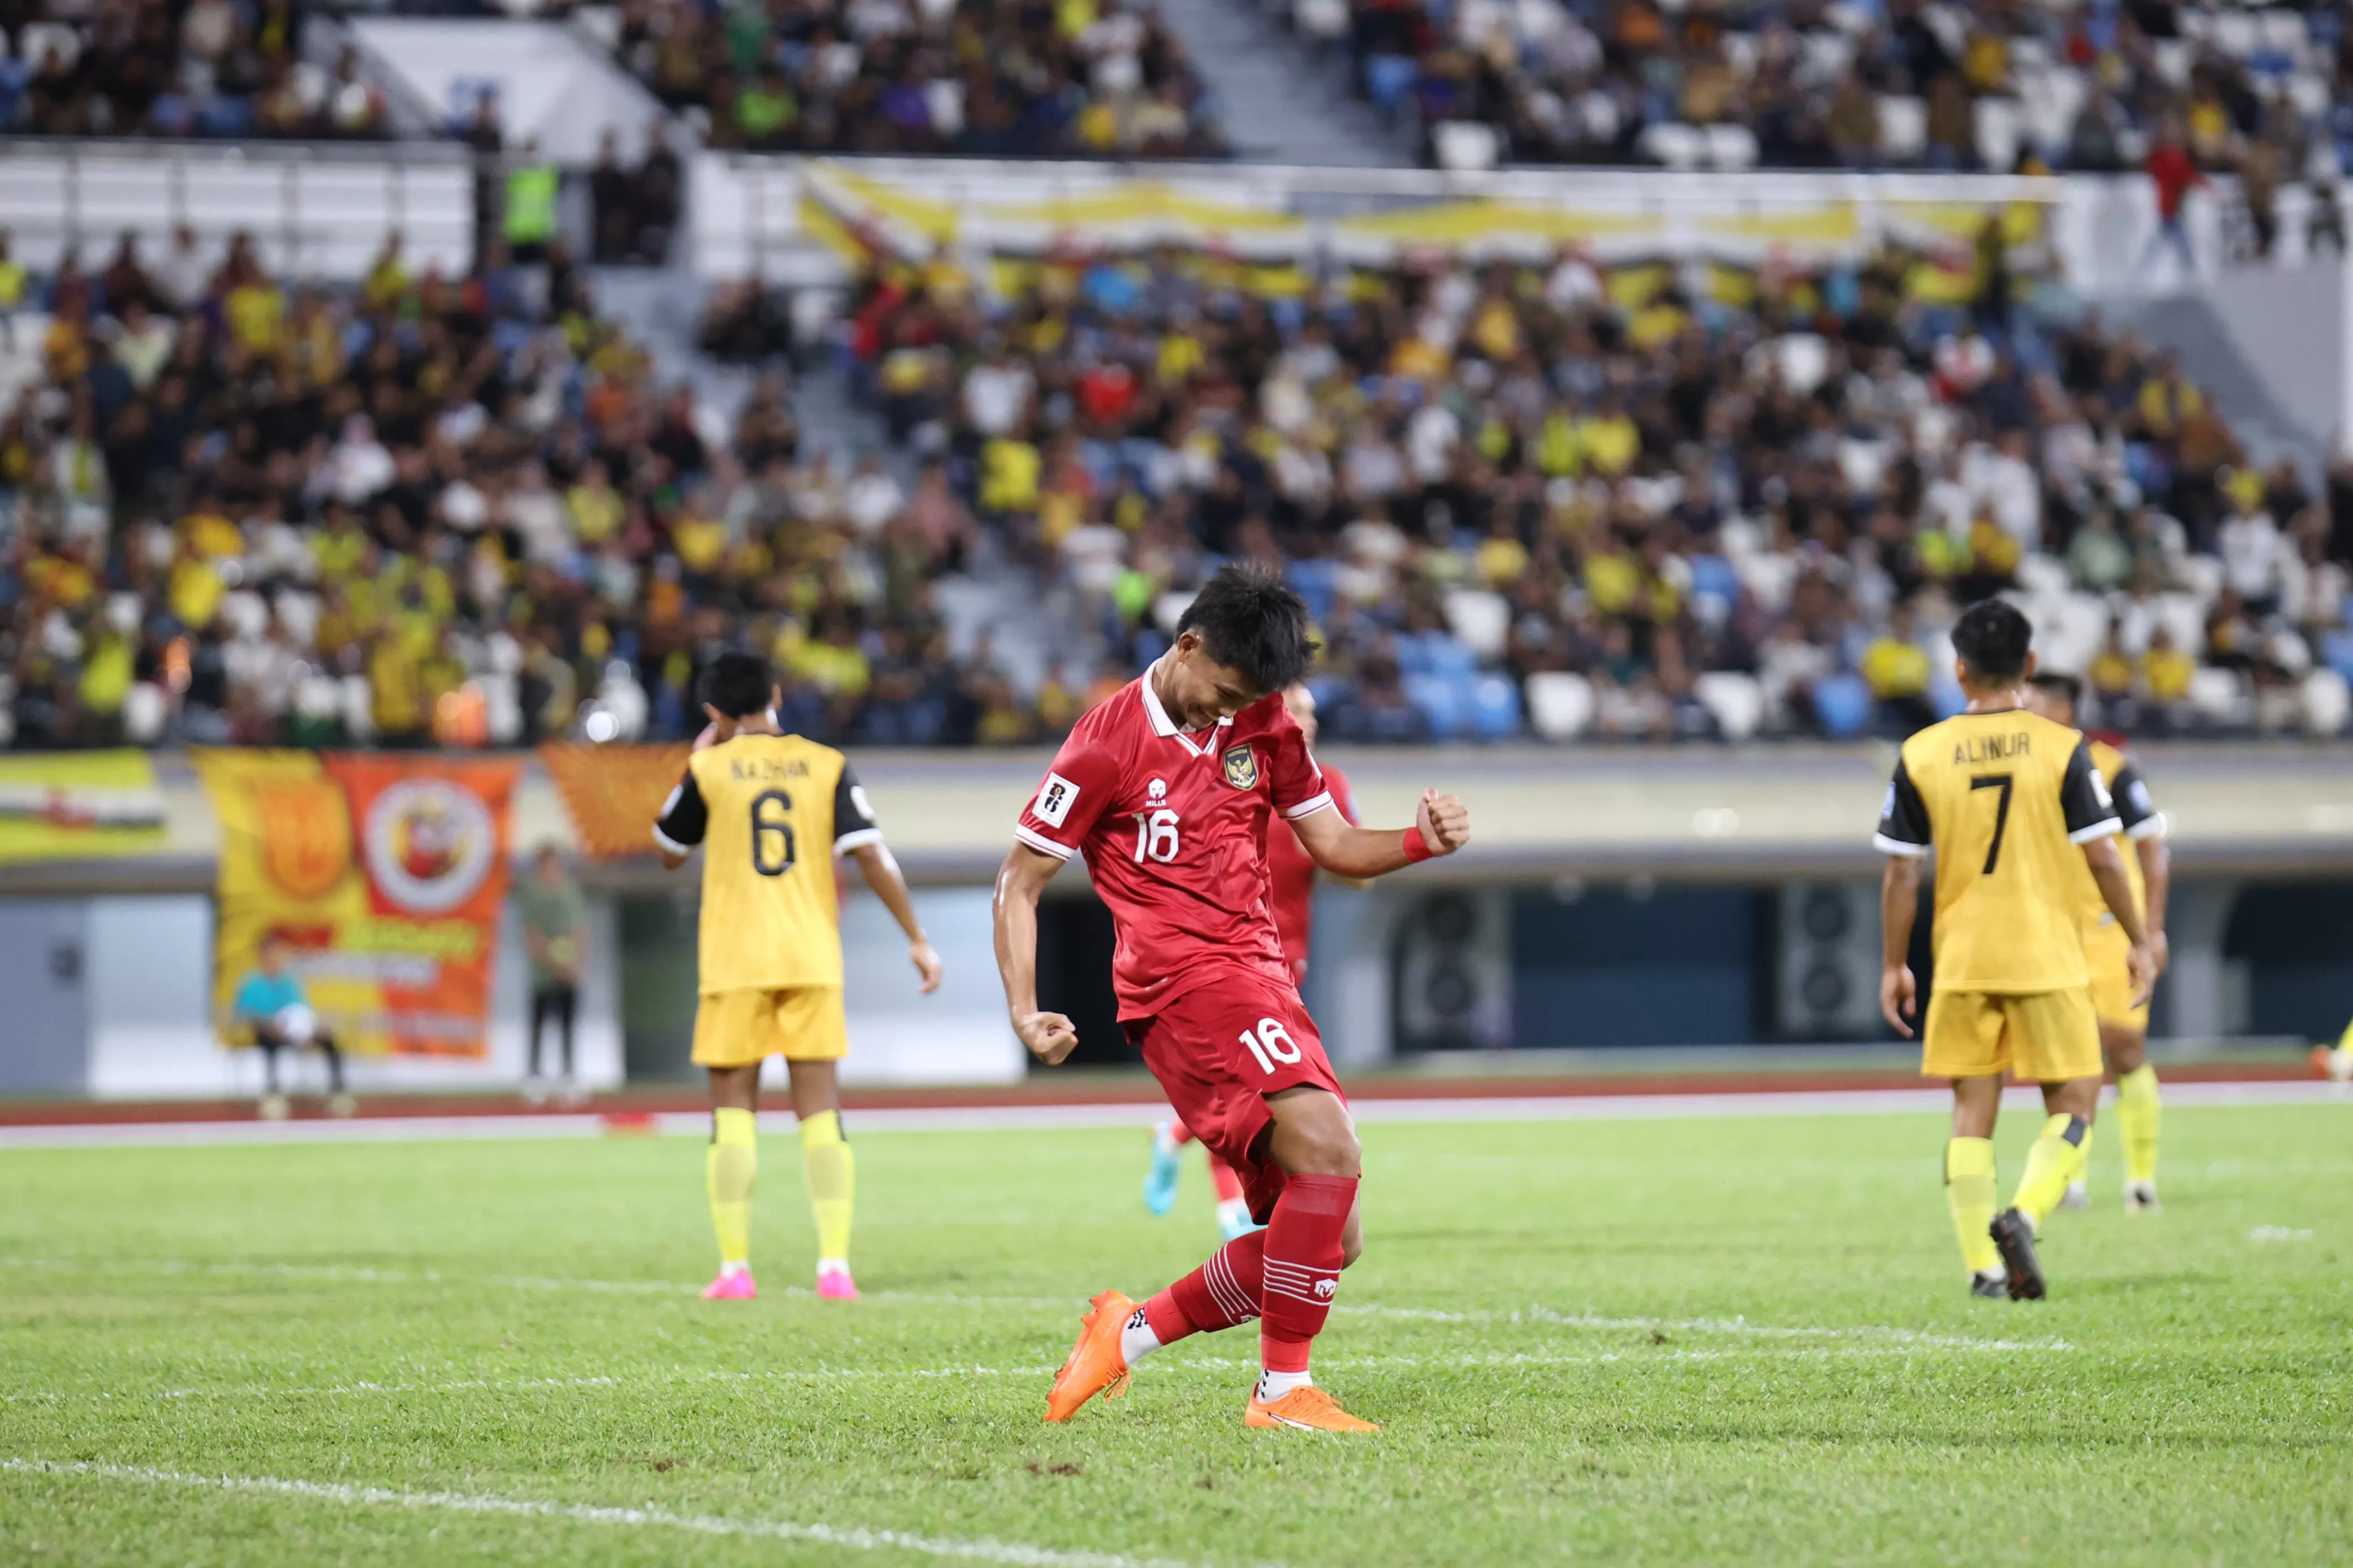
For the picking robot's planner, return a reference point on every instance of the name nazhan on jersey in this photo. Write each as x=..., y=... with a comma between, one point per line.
x=1991, y=748
x=766, y=770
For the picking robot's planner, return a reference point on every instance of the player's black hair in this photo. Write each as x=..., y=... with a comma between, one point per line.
x=2066, y=687
x=1993, y=635
x=1251, y=623
x=737, y=684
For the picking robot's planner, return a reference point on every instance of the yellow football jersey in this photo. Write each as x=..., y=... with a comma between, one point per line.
x=770, y=812
x=2141, y=819
x=2007, y=800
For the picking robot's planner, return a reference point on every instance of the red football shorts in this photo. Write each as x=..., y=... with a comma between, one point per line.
x=1219, y=1050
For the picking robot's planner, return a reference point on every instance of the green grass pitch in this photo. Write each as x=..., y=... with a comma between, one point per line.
x=1635, y=1341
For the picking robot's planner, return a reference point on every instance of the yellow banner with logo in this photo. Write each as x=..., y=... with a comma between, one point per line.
x=64, y=806
x=382, y=875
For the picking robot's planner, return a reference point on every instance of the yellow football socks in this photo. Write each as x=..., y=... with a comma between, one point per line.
x=1968, y=1191
x=729, y=1166
x=2055, y=1160
x=2138, y=1115
x=832, y=1183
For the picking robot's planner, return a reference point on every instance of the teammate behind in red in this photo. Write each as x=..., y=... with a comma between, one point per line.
x=1166, y=788
x=1292, y=891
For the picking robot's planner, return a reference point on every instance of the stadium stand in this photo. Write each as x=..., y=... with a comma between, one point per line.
x=1856, y=83
x=984, y=78
x=206, y=68
x=461, y=512
x=1554, y=501
x=1561, y=501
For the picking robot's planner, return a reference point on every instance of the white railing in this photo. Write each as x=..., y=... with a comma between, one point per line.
x=315, y=209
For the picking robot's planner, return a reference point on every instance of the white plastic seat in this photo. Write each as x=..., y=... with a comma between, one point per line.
x=1735, y=700
x=2328, y=702
x=1903, y=127
x=1481, y=620
x=1466, y=146
x=2220, y=696
x=1676, y=145
x=1731, y=148
x=1560, y=705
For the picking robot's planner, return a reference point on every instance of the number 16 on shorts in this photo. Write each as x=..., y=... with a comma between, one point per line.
x=1270, y=1044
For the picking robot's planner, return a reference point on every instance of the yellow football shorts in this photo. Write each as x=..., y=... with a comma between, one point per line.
x=803, y=1024
x=2041, y=1036
x=2112, y=993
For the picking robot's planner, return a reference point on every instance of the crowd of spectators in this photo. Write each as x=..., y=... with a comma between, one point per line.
x=425, y=510
x=1009, y=79
x=1976, y=84
x=1557, y=499
x=1650, y=502
x=176, y=68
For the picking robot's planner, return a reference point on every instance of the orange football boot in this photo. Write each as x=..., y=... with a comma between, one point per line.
x=1307, y=1408
x=1095, y=1365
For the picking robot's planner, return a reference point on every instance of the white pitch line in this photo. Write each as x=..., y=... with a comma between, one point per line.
x=1549, y=1316
x=853, y=1539
x=1378, y=1362
x=1140, y=1113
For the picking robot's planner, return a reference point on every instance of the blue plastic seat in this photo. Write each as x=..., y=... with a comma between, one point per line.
x=1842, y=702
x=1495, y=707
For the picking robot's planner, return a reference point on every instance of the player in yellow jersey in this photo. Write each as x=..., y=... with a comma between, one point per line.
x=771, y=811
x=2124, y=1027
x=2011, y=801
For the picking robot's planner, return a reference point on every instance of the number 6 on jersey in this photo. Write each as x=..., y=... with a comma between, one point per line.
x=1271, y=1043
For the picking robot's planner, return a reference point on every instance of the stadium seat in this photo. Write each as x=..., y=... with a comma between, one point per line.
x=1731, y=148
x=1481, y=618
x=1495, y=708
x=2221, y=697
x=1734, y=700
x=1441, y=702
x=1902, y=128
x=1390, y=80
x=1997, y=123
x=1466, y=146
x=1843, y=703
x=2328, y=702
x=1677, y=145
x=1560, y=705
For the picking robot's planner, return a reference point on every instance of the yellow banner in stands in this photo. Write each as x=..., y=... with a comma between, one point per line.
x=65, y=805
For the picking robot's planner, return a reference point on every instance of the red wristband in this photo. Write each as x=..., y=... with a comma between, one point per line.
x=1416, y=847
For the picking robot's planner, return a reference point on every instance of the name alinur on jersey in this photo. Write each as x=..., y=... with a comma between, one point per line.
x=1990, y=748
x=764, y=770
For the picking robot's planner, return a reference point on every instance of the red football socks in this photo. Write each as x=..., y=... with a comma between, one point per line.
x=1302, y=1268
x=1220, y=1293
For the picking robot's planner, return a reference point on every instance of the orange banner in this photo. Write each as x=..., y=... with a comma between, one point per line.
x=614, y=792
x=384, y=876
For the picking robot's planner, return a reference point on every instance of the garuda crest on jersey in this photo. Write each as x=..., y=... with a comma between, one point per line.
x=1241, y=767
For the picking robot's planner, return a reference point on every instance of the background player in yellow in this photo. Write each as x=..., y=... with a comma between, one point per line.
x=2012, y=804
x=771, y=811
x=2123, y=1027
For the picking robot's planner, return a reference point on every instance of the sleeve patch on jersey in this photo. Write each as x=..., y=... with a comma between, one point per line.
x=858, y=798
x=2100, y=788
x=2139, y=794
x=1052, y=805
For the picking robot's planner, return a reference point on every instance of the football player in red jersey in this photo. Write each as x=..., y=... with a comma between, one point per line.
x=1166, y=788
x=1291, y=889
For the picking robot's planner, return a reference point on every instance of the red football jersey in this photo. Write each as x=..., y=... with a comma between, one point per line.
x=1291, y=874
x=1174, y=828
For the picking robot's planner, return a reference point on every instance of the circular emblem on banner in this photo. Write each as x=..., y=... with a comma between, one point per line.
x=429, y=844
